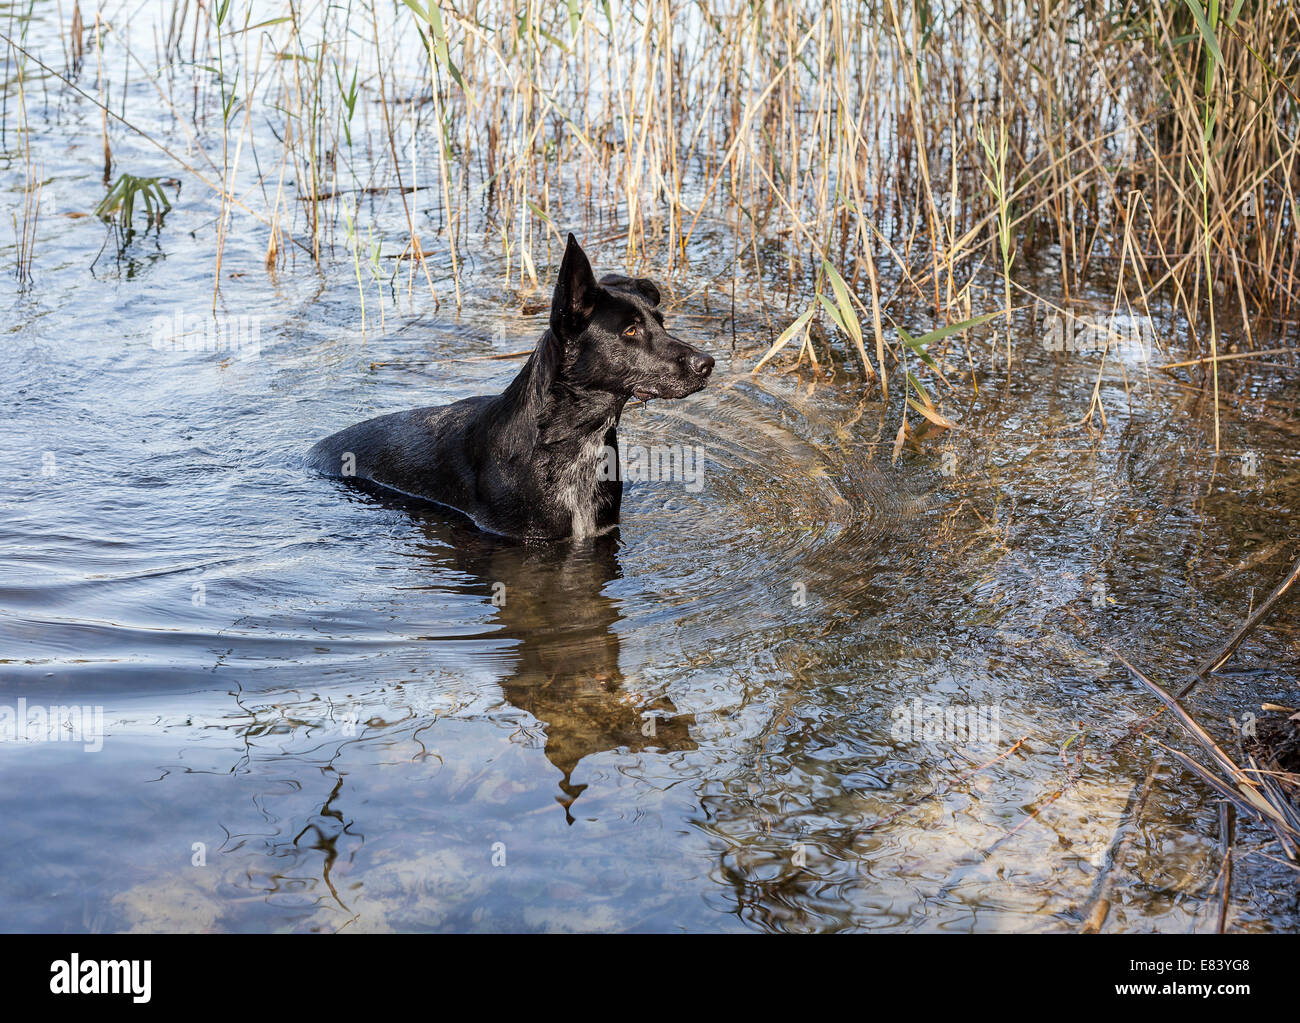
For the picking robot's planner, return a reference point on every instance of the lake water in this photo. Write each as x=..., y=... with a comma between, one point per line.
x=326, y=712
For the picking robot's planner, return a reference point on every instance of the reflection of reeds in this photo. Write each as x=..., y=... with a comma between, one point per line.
x=914, y=147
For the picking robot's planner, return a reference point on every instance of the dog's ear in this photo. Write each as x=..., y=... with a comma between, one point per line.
x=643, y=286
x=575, y=293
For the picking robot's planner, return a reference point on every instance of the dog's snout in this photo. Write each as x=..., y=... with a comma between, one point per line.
x=700, y=364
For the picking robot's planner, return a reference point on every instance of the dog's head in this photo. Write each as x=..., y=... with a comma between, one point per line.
x=614, y=338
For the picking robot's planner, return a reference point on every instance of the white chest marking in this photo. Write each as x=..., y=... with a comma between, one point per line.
x=577, y=484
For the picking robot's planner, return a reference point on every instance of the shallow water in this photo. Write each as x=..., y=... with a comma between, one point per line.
x=326, y=711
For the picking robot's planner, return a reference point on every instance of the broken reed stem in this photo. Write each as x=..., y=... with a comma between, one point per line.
x=1097, y=908
x=1220, y=657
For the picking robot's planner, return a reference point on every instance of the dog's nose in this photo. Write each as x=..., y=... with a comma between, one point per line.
x=701, y=364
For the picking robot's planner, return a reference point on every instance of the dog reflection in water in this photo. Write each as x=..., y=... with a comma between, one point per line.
x=551, y=599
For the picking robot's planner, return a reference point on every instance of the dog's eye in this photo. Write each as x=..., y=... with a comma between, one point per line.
x=630, y=331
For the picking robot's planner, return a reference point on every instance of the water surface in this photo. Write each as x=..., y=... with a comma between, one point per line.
x=324, y=711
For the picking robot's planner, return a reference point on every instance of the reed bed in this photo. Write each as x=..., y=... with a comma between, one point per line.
x=855, y=166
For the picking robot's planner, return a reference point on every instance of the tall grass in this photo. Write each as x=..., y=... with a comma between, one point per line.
x=921, y=150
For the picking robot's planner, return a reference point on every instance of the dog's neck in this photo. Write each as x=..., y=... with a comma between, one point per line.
x=575, y=427
x=578, y=415
x=558, y=413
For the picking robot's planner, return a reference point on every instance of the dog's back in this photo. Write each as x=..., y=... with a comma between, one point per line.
x=421, y=452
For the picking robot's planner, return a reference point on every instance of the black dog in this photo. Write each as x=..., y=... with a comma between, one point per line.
x=524, y=463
